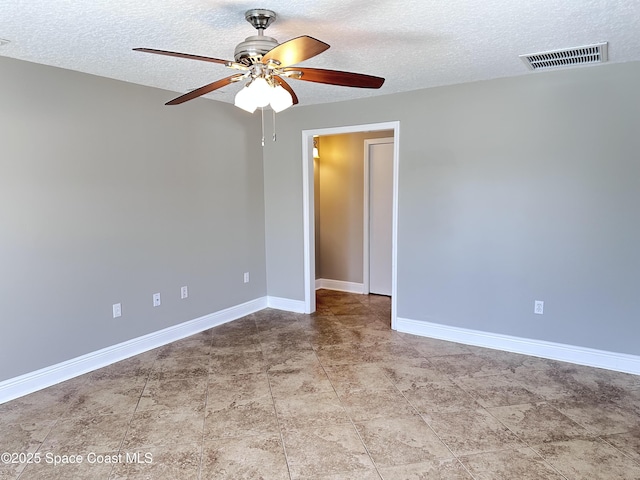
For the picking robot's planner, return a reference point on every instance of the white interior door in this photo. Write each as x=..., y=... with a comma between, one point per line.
x=380, y=173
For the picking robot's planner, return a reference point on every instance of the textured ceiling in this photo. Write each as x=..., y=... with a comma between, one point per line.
x=413, y=44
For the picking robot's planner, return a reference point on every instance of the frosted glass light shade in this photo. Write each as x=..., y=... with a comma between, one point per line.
x=280, y=99
x=245, y=101
x=260, y=91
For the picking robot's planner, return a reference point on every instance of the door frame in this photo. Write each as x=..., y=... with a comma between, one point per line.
x=309, y=248
x=367, y=210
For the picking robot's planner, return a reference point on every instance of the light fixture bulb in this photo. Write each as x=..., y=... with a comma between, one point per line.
x=316, y=153
x=244, y=100
x=280, y=99
x=260, y=91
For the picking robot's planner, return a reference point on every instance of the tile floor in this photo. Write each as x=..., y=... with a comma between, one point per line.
x=335, y=395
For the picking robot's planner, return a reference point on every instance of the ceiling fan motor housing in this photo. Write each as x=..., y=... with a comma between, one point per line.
x=253, y=48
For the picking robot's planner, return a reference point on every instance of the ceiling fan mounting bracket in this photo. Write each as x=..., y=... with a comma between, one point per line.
x=260, y=18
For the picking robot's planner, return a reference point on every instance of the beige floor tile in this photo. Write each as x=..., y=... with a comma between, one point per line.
x=82, y=435
x=139, y=365
x=432, y=347
x=521, y=464
x=174, y=393
x=628, y=443
x=299, y=381
x=237, y=387
x=239, y=339
x=176, y=367
x=159, y=463
x=107, y=396
x=497, y=391
x=345, y=354
x=554, y=383
x=47, y=404
x=325, y=451
x=601, y=417
x=245, y=325
x=282, y=395
x=285, y=360
x=467, y=432
x=163, y=428
x=24, y=437
x=48, y=470
x=538, y=423
x=466, y=365
x=17, y=439
x=193, y=346
x=336, y=336
x=357, y=320
x=353, y=378
x=394, y=350
x=513, y=362
x=591, y=459
x=240, y=417
x=364, y=405
x=244, y=458
x=292, y=336
x=413, y=373
x=370, y=474
x=235, y=363
x=450, y=469
x=443, y=396
x=347, y=309
x=311, y=410
x=401, y=441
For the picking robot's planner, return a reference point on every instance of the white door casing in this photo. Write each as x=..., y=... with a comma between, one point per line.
x=309, y=267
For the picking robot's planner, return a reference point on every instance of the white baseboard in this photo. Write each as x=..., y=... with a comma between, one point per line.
x=286, y=304
x=45, y=377
x=620, y=362
x=351, y=287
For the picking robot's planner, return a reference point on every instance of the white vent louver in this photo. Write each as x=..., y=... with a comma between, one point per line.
x=596, y=53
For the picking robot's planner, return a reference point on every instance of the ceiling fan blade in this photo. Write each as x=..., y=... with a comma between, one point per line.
x=295, y=50
x=336, y=77
x=181, y=55
x=204, y=90
x=288, y=88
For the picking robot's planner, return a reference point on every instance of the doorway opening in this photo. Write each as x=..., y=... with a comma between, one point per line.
x=309, y=207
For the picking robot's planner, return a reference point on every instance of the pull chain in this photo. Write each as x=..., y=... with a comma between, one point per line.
x=262, y=114
x=274, y=125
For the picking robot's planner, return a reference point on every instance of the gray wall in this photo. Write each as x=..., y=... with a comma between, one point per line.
x=108, y=196
x=510, y=190
x=340, y=197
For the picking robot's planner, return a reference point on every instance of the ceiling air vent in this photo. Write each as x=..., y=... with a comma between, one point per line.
x=596, y=53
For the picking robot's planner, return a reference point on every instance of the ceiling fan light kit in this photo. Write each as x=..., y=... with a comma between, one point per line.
x=266, y=64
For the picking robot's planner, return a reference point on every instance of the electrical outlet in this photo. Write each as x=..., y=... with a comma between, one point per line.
x=184, y=292
x=246, y=277
x=156, y=299
x=117, y=310
x=538, y=307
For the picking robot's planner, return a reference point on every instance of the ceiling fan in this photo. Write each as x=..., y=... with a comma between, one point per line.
x=265, y=65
